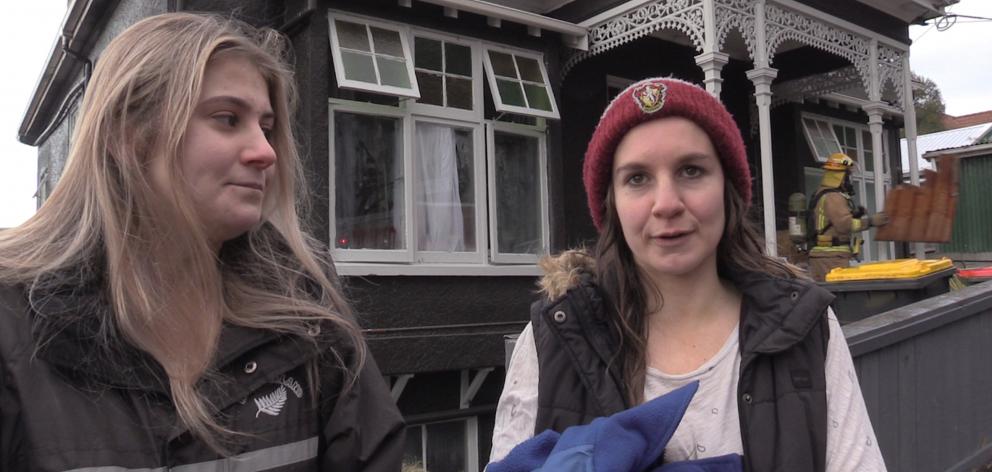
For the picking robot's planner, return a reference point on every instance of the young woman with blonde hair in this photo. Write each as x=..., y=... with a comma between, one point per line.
x=678, y=290
x=163, y=308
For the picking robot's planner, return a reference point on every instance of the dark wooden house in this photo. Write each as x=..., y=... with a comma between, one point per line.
x=443, y=142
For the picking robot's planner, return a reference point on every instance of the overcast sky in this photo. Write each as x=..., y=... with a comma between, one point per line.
x=956, y=59
x=27, y=32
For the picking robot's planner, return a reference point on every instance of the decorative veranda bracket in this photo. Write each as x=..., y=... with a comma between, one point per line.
x=680, y=15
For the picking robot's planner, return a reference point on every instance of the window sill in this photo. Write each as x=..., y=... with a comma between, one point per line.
x=371, y=269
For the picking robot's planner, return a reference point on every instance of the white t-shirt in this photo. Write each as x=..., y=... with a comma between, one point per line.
x=711, y=425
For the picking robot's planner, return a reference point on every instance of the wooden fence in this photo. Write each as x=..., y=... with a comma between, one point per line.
x=926, y=374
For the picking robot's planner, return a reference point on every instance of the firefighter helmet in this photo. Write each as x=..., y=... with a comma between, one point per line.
x=838, y=161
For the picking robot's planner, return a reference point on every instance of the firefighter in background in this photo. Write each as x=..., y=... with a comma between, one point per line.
x=836, y=220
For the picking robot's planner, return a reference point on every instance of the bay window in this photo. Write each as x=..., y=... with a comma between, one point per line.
x=432, y=183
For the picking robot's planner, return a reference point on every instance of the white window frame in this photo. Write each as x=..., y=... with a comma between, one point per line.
x=866, y=145
x=373, y=255
x=861, y=144
x=491, y=128
x=339, y=72
x=809, y=136
x=471, y=424
x=498, y=99
x=478, y=256
x=478, y=97
x=411, y=261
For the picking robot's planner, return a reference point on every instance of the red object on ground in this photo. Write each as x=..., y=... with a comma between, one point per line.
x=980, y=274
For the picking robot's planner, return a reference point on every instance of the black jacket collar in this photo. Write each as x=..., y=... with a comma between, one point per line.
x=74, y=330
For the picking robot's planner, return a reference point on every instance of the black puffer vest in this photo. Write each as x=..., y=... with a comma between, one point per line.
x=781, y=390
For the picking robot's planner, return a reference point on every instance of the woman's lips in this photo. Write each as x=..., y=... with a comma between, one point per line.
x=251, y=185
x=671, y=237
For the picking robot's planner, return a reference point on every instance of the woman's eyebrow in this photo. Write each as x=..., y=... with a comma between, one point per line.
x=694, y=156
x=629, y=167
x=237, y=102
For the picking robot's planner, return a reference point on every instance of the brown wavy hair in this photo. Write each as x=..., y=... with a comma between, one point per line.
x=740, y=249
x=168, y=289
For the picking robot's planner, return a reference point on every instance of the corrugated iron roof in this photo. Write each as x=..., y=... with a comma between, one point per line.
x=942, y=140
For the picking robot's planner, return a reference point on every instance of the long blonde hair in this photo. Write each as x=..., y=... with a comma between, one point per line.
x=168, y=290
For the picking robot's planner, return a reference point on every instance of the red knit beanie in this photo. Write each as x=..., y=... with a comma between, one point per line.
x=658, y=98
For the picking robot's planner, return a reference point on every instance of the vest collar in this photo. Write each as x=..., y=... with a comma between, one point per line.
x=779, y=312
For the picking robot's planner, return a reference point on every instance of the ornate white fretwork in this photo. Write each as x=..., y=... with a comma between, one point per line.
x=735, y=14
x=681, y=15
x=782, y=24
x=890, y=70
x=816, y=85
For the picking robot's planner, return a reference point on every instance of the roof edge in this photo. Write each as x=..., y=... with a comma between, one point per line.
x=981, y=149
x=76, y=32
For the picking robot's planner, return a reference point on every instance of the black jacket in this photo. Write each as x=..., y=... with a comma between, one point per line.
x=62, y=408
x=781, y=390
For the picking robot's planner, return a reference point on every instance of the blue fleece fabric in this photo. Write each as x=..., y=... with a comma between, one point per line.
x=629, y=441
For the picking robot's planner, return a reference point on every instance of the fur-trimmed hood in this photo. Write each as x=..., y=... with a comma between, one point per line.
x=564, y=271
x=782, y=310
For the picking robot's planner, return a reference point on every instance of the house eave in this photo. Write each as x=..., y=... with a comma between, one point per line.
x=77, y=33
x=573, y=35
x=965, y=151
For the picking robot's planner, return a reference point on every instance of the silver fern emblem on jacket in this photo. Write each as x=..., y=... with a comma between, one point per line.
x=273, y=403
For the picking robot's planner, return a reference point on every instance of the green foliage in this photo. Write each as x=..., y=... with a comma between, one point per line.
x=929, y=106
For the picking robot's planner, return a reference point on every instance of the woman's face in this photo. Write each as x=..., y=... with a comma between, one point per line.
x=668, y=188
x=226, y=158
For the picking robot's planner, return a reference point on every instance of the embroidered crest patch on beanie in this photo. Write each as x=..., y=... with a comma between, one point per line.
x=656, y=98
x=650, y=96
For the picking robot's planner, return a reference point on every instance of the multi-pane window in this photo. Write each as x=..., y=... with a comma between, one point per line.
x=433, y=180
x=821, y=138
x=847, y=137
x=444, y=72
x=371, y=56
x=827, y=136
x=519, y=83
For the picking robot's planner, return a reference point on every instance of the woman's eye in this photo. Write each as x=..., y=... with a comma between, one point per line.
x=227, y=119
x=636, y=179
x=692, y=171
x=268, y=133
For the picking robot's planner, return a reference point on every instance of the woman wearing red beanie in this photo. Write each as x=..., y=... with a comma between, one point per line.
x=678, y=290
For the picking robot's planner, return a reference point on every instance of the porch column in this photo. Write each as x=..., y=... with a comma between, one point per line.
x=762, y=78
x=711, y=60
x=909, y=118
x=712, y=64
x=874, y=111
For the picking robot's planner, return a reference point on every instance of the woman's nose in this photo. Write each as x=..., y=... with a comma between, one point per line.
x=259, y=151
x=667, y=200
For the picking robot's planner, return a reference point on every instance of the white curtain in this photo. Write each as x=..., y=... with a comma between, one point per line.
x=440, y=225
